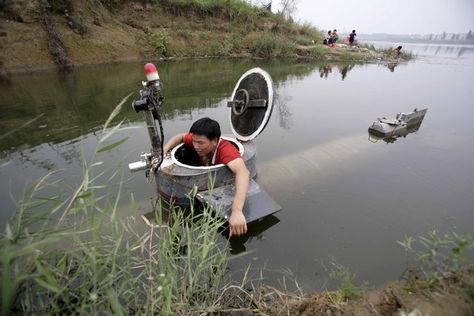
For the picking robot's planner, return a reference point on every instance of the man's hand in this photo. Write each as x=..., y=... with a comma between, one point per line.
x=237, y=224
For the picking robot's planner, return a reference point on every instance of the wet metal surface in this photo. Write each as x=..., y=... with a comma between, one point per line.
x=257, y=204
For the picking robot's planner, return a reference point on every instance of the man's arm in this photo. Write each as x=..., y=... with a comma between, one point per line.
x=237, y=222
x=173, y=142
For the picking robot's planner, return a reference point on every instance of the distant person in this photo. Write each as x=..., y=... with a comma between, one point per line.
x=352, y=38
x=334, y=37
x=397, y=52
x=327, y=39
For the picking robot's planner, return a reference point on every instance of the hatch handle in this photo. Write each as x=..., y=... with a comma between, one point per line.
x=242, y=102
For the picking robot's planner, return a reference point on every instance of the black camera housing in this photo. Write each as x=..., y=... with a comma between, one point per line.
x=144, y=103
x=150, y=98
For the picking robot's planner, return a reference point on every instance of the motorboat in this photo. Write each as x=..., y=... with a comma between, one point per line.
x=179, y=179
x=401, y=125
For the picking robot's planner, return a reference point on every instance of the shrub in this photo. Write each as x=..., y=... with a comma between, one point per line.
x=346, y=279
x=159, y=42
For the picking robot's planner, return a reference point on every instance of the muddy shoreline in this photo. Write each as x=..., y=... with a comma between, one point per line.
x=452, y=295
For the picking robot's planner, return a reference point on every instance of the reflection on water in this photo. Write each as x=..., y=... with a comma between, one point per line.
x=342, y=196
x=255, y=231
x=445, y=50
x=77, y=103
x=428, y=49
x=325, y=70
x=343, y=69
x=391, y=66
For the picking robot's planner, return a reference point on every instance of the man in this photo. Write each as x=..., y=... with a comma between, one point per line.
x=352, y=38
x=334, y=37
x=397, y=52
x=327, y=39
x=204, y=138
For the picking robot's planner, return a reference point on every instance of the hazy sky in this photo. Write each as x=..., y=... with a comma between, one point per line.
x=387, y=16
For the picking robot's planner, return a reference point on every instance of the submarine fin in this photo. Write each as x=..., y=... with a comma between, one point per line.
x=258, y=203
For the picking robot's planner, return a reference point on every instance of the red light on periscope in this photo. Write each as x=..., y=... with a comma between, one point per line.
x=151, y=72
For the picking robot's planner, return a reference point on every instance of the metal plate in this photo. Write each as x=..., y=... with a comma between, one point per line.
x=251, y=104
x=258, y=203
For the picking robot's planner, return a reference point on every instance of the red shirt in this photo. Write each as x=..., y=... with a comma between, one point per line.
x=224, y=153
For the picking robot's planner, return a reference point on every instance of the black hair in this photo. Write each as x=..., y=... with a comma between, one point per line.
x=353, y=31
x=207, y=127
x=399, y=47
x=329, y=32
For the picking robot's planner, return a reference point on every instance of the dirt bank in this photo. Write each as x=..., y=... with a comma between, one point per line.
x=449, y=296
x=43, y=39
x=66, y=33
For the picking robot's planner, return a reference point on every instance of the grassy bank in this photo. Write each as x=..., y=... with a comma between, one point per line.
x=43, y=33
x=439, y=280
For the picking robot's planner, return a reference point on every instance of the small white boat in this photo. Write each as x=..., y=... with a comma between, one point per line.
x=398, y=126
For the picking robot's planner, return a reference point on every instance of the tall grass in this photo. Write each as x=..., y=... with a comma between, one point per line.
x=72, y=254
x=268, y=45
x=319, y=51
x=230, y=9
x=438, y=256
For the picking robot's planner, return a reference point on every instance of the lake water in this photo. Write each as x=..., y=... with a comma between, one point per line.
x=344, y=195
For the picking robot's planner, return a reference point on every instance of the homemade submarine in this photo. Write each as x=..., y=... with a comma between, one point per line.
x=179, y=180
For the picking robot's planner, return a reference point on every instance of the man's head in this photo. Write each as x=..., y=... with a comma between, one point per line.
x=206, y=133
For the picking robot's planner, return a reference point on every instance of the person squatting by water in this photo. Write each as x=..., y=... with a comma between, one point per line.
x=397, y=52
x=204, y=138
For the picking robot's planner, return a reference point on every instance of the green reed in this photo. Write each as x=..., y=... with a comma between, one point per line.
x=438, y=256
x=71, y=253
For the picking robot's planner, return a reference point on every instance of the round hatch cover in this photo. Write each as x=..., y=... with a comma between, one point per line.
x=251, y=105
